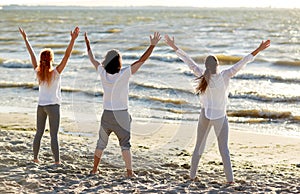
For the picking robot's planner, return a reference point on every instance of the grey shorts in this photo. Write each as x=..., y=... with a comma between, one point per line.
x=118, y=122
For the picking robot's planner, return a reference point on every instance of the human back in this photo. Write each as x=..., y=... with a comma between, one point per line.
x=116, y=88
x=49, y=79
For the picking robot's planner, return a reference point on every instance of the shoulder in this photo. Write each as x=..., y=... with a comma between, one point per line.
x=126, y=71
x=56, y=73
x=100, y=69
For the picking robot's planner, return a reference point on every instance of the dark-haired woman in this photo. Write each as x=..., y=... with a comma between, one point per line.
x=49, y=93
x=213, y=90
x=115, y=83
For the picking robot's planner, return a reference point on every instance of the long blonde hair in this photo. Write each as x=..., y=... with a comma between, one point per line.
x=211, y=64
x=44, y=71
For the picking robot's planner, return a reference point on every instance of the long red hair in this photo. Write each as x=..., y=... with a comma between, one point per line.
x=44, y=71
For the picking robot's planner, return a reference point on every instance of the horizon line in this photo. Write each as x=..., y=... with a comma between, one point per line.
x=137, y=6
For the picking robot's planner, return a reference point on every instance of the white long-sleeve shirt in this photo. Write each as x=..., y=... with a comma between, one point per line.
x=215, y=98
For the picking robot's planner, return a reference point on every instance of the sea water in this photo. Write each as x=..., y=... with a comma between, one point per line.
x=264, y=96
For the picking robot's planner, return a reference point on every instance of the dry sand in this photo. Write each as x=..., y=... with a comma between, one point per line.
x=161, y=156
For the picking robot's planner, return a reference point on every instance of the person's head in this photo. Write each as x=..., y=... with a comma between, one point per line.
x=211, y=64
x=45, y=65
x=112, y=62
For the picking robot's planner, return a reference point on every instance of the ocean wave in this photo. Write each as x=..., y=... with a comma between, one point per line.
x=5, y=39
x=263, y=115
x=223, y=59
x=95, y=93
x=74, y=52
x=53, y=45
x=14, y=63
x=172, y=58
x=264, y=98
x=158, y=99
x=164, y=58
x=136, y=48
x=288, y=63
x=18, y=85
x=33, y=85
x=113, y=30
x=271, y=78
x=160, y=87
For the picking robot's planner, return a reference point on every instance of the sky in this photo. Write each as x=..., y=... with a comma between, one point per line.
x=171, y=3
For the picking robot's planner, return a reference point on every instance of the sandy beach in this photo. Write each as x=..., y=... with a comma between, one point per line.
x=161, y=156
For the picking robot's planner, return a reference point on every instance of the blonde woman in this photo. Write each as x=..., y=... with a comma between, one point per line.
x=49, y=92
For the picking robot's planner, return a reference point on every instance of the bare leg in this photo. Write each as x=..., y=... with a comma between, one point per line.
x=97, y=159
x=128, y=162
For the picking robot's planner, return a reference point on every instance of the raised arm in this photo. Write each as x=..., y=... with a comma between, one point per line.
x=90, y=53
x=63, y=63
x=184, y=57
x=29, y=48
x=230, y=72
x=263, y=45
x=153, y=41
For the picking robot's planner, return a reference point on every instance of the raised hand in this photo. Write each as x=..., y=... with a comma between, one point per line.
x=155, y=39
x=87, y=41
x=23, y=33
x=29, y=48
x=170, y=42
x=75, y=33
x=90, y=53
x=263, y=45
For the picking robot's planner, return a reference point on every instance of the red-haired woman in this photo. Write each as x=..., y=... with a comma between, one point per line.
x=213, y=90
x=115, y=117
x=49, y=93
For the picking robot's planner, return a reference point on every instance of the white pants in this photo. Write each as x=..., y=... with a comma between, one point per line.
x=221, y=131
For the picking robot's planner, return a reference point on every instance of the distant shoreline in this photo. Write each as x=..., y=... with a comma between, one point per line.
x=81, y=7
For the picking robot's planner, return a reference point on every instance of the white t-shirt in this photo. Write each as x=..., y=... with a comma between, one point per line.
x=50, y=94
x=215, y=98
x=116, y=88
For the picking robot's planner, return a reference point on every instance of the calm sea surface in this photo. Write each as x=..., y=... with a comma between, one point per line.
x=264, y=96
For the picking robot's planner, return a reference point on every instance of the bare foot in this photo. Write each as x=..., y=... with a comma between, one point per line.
x=36, y=160
x=130, y=174
x=57, y=163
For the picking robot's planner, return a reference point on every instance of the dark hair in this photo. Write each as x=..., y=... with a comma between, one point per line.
x=211, y=63
x=112, y=62
x=203, y=82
